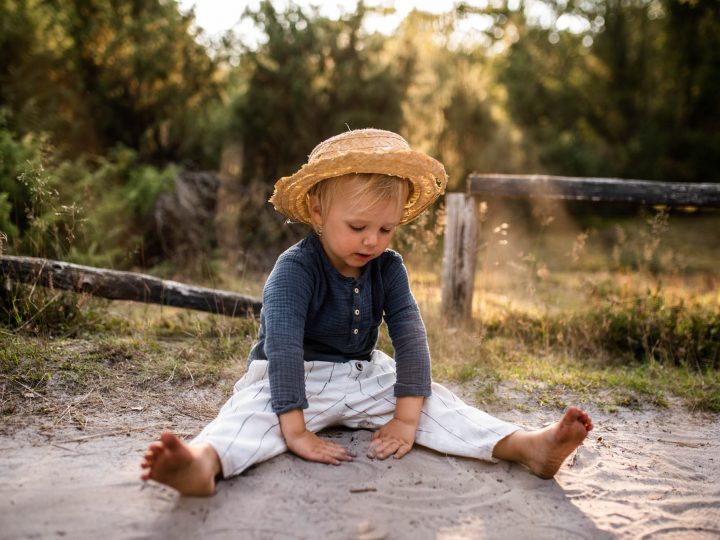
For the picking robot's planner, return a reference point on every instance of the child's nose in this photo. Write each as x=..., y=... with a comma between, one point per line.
x=370, y=240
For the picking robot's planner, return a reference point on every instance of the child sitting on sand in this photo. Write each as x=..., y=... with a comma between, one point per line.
x=315, y=363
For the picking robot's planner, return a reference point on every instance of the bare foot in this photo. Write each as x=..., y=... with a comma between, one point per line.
x=544, y=451
x=189, y=469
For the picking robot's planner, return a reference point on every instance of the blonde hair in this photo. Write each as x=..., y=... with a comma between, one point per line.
x=366, y=189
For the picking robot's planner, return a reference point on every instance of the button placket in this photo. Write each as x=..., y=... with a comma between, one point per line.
x=356, y=312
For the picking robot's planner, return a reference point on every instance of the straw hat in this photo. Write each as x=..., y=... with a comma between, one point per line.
x=362, y=151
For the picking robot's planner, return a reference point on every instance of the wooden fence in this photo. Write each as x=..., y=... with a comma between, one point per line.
x=462, y=226
x=116, y=285
x=459, y=258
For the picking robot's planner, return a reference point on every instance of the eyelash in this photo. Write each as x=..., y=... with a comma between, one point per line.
x=358, y=229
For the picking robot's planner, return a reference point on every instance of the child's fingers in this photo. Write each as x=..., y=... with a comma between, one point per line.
x=404, y=449
x=339, y=448
x=382, y=448
x=321, y=455
x=335, y=453
x=375, y=443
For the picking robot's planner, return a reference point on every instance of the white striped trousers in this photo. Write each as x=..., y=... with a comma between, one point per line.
x=355, y=394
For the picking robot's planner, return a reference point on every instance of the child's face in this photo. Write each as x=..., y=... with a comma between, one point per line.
x=353, y=234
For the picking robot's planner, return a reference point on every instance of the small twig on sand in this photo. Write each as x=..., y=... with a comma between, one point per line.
x=362, y=489
x=68, y=449
x=573, y=459
x=681, y=443
x=124, y=431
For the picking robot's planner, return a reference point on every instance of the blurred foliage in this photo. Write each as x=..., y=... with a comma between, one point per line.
x=634, y=95
x=104, y=101
x=643, y=327
x=312, y=78
x=98, y=73
x=91, y=210
x=35, y=221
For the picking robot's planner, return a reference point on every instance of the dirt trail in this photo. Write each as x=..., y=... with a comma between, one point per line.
x=640, y=474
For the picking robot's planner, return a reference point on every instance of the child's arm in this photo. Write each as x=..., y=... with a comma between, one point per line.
x=396, y=438
x=306, y=444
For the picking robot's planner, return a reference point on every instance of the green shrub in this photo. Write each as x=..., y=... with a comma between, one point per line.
x=92, y=210
x=639, y=328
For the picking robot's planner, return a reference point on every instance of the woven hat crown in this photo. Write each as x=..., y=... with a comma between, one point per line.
x=359, y=140
x=373, y=151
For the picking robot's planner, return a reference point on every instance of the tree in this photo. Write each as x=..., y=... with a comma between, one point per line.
x=313, y=78
x=454, y=107
x=98, y=73
x=633, y=95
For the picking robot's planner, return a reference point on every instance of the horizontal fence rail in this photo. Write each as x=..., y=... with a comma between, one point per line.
x=116, y=285
x=462, y=227
x=594, y=189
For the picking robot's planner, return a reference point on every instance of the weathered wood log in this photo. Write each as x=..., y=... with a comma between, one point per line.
x=595, y=189
x=116, y=285
x=459, y=256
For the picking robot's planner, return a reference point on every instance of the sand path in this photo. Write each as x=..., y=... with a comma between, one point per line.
x=639, y=475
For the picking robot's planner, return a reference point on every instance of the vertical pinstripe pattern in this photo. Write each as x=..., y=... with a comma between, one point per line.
x=360, y=395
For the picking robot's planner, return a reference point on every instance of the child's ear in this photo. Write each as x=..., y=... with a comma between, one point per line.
x=315, y=210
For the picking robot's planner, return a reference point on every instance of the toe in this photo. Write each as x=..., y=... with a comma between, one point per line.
x=170, y=440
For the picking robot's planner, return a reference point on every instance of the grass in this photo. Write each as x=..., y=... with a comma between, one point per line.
x=556, y=326
x=130, y=348
x=591, y=330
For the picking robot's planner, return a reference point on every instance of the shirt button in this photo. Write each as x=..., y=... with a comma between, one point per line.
x=355, y=331
x=357, y=291
x=357, y=312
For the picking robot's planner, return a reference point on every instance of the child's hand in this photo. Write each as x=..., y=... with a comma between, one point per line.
x=395, y=439
x=306, y=444
x=309, y=446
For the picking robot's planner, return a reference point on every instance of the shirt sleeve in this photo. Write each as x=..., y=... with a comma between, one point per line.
x=286, y=298
x=407, y=332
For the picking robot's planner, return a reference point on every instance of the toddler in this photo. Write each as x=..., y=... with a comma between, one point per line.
x=315, y=364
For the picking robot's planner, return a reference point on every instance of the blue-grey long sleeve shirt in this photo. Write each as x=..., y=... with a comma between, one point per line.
x=312, y=312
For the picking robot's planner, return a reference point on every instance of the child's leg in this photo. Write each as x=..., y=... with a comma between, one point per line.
x=446, y=423
x=449, y=425
x=246, y=431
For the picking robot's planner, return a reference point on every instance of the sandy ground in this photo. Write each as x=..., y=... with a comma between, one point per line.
x=651, y=474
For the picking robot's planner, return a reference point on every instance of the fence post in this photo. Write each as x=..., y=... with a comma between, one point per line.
x=459, y=255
